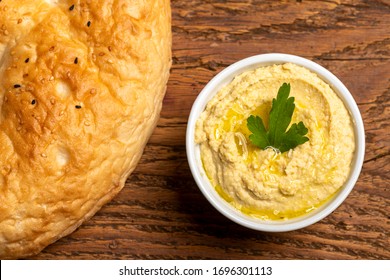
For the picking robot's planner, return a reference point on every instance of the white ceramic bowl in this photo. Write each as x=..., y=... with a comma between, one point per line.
x=193, y=151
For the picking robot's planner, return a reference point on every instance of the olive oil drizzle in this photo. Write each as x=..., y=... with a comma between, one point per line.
x=235, y=121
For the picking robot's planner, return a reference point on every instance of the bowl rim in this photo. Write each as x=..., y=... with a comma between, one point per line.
x=224, y=77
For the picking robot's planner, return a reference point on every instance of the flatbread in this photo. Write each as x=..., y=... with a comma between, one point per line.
x=81, y=89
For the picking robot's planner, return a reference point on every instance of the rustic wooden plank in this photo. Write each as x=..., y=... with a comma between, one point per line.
x=161, y=214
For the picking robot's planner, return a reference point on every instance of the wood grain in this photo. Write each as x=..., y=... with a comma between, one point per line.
x=161, y=214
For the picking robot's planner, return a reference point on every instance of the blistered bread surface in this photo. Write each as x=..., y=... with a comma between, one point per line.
x=81, y=89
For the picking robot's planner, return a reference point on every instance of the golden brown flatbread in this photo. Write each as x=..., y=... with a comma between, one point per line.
x=81, y=89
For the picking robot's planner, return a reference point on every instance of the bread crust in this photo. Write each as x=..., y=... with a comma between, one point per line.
x=81, y=89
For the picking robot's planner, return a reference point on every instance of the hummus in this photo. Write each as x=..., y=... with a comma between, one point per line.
x=264, y=183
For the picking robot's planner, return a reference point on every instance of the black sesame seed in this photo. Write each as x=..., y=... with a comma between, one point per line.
x=71, y=8
x=78, y=107
x=27, y=60
x=89, y=23
x=17, y=86
x=76, y=60
x=33, y=102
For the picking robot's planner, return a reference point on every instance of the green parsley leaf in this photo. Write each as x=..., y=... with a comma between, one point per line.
x=256, y=126
x=279, y=119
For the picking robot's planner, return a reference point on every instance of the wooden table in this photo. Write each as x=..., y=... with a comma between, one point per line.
x=161, y=214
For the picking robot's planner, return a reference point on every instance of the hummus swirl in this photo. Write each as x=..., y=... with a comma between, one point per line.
x=265, y=183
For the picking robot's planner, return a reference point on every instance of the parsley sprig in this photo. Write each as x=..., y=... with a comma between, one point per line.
x=279, y=119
